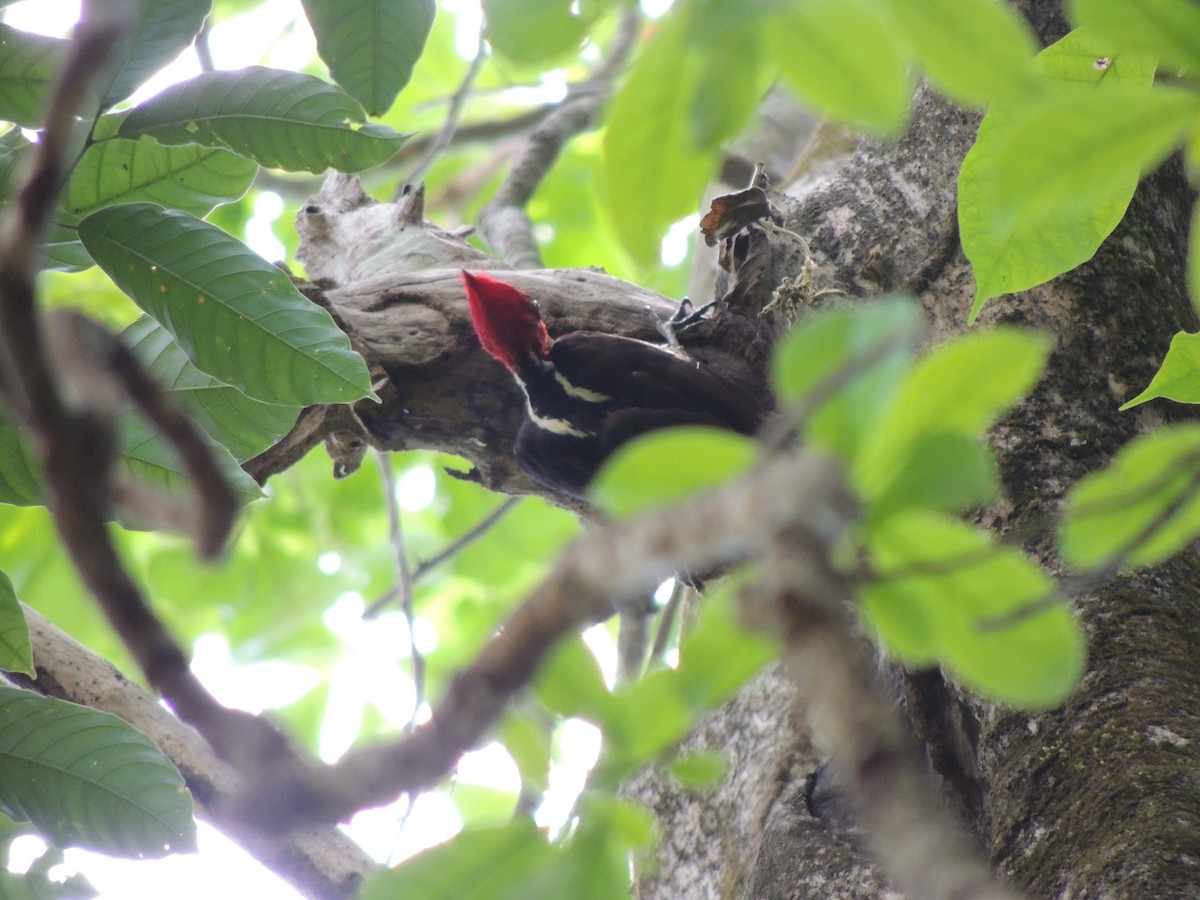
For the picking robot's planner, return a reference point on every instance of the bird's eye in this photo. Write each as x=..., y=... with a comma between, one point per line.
x=536, y=305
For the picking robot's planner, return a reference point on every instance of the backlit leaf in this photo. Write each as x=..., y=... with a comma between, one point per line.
x=974, y=51
x=960, y=387
x=854, y=355
x=1167, y=29
x=1142, y=507
x=862, y=81
x=668, y=465
x=945, y=592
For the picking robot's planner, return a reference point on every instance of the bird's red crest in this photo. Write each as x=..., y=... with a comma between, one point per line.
x=506, y=319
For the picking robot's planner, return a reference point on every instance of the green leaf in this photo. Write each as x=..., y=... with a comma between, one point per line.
x=241, y=424
x=596, y=862
x=161, y=31
x=237, y=317
x=527, y=740
x=945, y=592
x=1167, y=29
x=961, y=387
x=1069, y=148
x=44, y=879
x=719, y=655
x=147, y=457
x=1178, y=378
x=1141, y=508
x=974, y=51
x=371, y=47
x=699, y=771
x=534, y=31
x=946, y=472
x=646, y=718
x=16, y=653
x=29, y=64
x=1013, y=254
x=20, y=471
x=483, y=864
x=868, y=347
x=668, y=465
x=62, y=251
x=725, y=96
x=85, y=778
x=569, y=682
x=279, y=119
x=653, y=172
x=191, y=179
x=1193, y=263
x=862, y=81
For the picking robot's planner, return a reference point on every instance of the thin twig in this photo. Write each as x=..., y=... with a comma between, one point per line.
x=666, y=621
x=453, y=114
x=451, y=550
x=404, y=583
x=503, y=221
x=595, y=576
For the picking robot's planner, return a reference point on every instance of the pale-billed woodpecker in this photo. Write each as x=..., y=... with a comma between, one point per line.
x=587, y=393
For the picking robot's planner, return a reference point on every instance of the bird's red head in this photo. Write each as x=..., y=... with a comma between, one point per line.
x=506, y=319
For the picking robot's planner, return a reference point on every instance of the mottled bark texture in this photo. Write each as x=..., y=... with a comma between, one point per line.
x=1098, y=798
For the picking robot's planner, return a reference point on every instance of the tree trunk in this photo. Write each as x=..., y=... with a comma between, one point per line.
x=1100, y=797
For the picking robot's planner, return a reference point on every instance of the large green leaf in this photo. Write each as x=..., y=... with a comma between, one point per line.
x=855, y=356
x=653, y=171
x=1069, y=147
x=162, y=29
x=1169, y=30
x=975, y=51
x=16, y=653
x=189, y=178
x=945, y=592
x=86, y=778
x=29, y=64
x=1178, y=378
x=237, y=317
x=862, y=80
x=1141, y=508
x=1010, y=254
x=241, y=424
x=280, y=119
x=948, y=472
x=148, y=458
x=20, y=472
x=371, y=46
x=668, y=465
x=961, y=387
